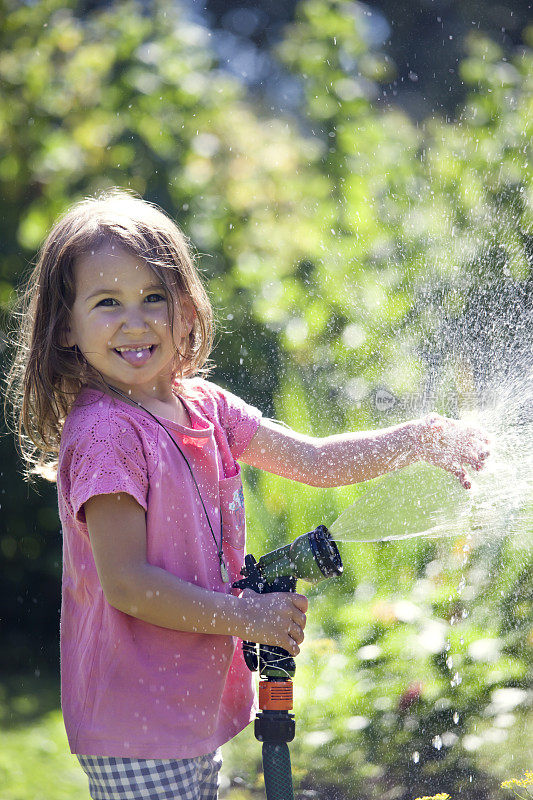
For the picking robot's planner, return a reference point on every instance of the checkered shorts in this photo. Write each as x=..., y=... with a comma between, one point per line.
x=140, y=779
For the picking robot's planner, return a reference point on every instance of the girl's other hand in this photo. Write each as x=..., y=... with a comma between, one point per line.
x=451, y=445
x=276, y=619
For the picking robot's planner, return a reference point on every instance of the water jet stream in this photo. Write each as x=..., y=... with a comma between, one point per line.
x=423, y=501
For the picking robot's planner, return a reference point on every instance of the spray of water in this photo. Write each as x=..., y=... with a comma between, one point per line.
x=425, y=502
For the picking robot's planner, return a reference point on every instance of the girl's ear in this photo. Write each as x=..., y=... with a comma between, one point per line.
x=67, y=338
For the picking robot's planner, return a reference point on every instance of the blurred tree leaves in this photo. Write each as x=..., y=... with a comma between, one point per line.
x=425, y=220
x=326, y=241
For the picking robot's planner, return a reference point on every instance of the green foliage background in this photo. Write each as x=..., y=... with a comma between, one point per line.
x=345, y=249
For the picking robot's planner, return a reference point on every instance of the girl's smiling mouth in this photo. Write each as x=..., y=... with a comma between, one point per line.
x=136, y=356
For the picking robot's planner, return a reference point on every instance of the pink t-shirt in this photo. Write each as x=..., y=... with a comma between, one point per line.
x=128, y=687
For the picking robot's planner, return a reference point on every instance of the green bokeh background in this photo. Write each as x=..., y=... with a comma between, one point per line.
x=345, y=248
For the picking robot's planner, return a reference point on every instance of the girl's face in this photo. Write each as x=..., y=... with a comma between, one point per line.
x=120, y=322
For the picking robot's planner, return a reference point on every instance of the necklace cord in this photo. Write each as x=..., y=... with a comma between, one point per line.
x=131, y=400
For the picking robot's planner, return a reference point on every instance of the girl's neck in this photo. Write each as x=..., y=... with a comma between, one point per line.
x=172, y=409
x=169, y=407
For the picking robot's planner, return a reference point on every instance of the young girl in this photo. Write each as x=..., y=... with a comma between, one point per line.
x=117, y=329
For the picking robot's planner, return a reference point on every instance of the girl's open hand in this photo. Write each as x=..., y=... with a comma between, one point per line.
x=452, y=445
x=277, y=618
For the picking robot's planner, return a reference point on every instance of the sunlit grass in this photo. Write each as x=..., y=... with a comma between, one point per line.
x=36, y=764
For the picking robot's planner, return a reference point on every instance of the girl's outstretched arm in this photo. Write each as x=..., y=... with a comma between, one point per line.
x=354, y=457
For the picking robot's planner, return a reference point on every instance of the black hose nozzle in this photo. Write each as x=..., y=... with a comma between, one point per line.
x=312, y=557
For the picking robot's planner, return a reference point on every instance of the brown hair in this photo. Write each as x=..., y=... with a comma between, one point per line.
x=46, y=376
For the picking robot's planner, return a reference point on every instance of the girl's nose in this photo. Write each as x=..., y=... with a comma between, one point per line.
x=134, y=321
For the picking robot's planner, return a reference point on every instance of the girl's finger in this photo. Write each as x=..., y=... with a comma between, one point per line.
x=293, y=647
x=482, y=458
x=296, y=633
x=300, y=601
x=474, y=461
x=461, y=475
x=299, y=618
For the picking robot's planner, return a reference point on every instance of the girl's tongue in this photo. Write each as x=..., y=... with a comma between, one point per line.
x=136, y=357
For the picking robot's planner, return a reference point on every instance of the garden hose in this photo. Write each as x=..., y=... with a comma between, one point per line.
x=313, y=556
x=277, y=771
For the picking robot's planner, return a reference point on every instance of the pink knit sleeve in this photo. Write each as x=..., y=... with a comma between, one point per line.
x=239, y=419
x=103, y=454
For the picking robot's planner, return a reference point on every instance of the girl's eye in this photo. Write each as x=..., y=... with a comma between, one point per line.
x=154, y=298
x=107, y=301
